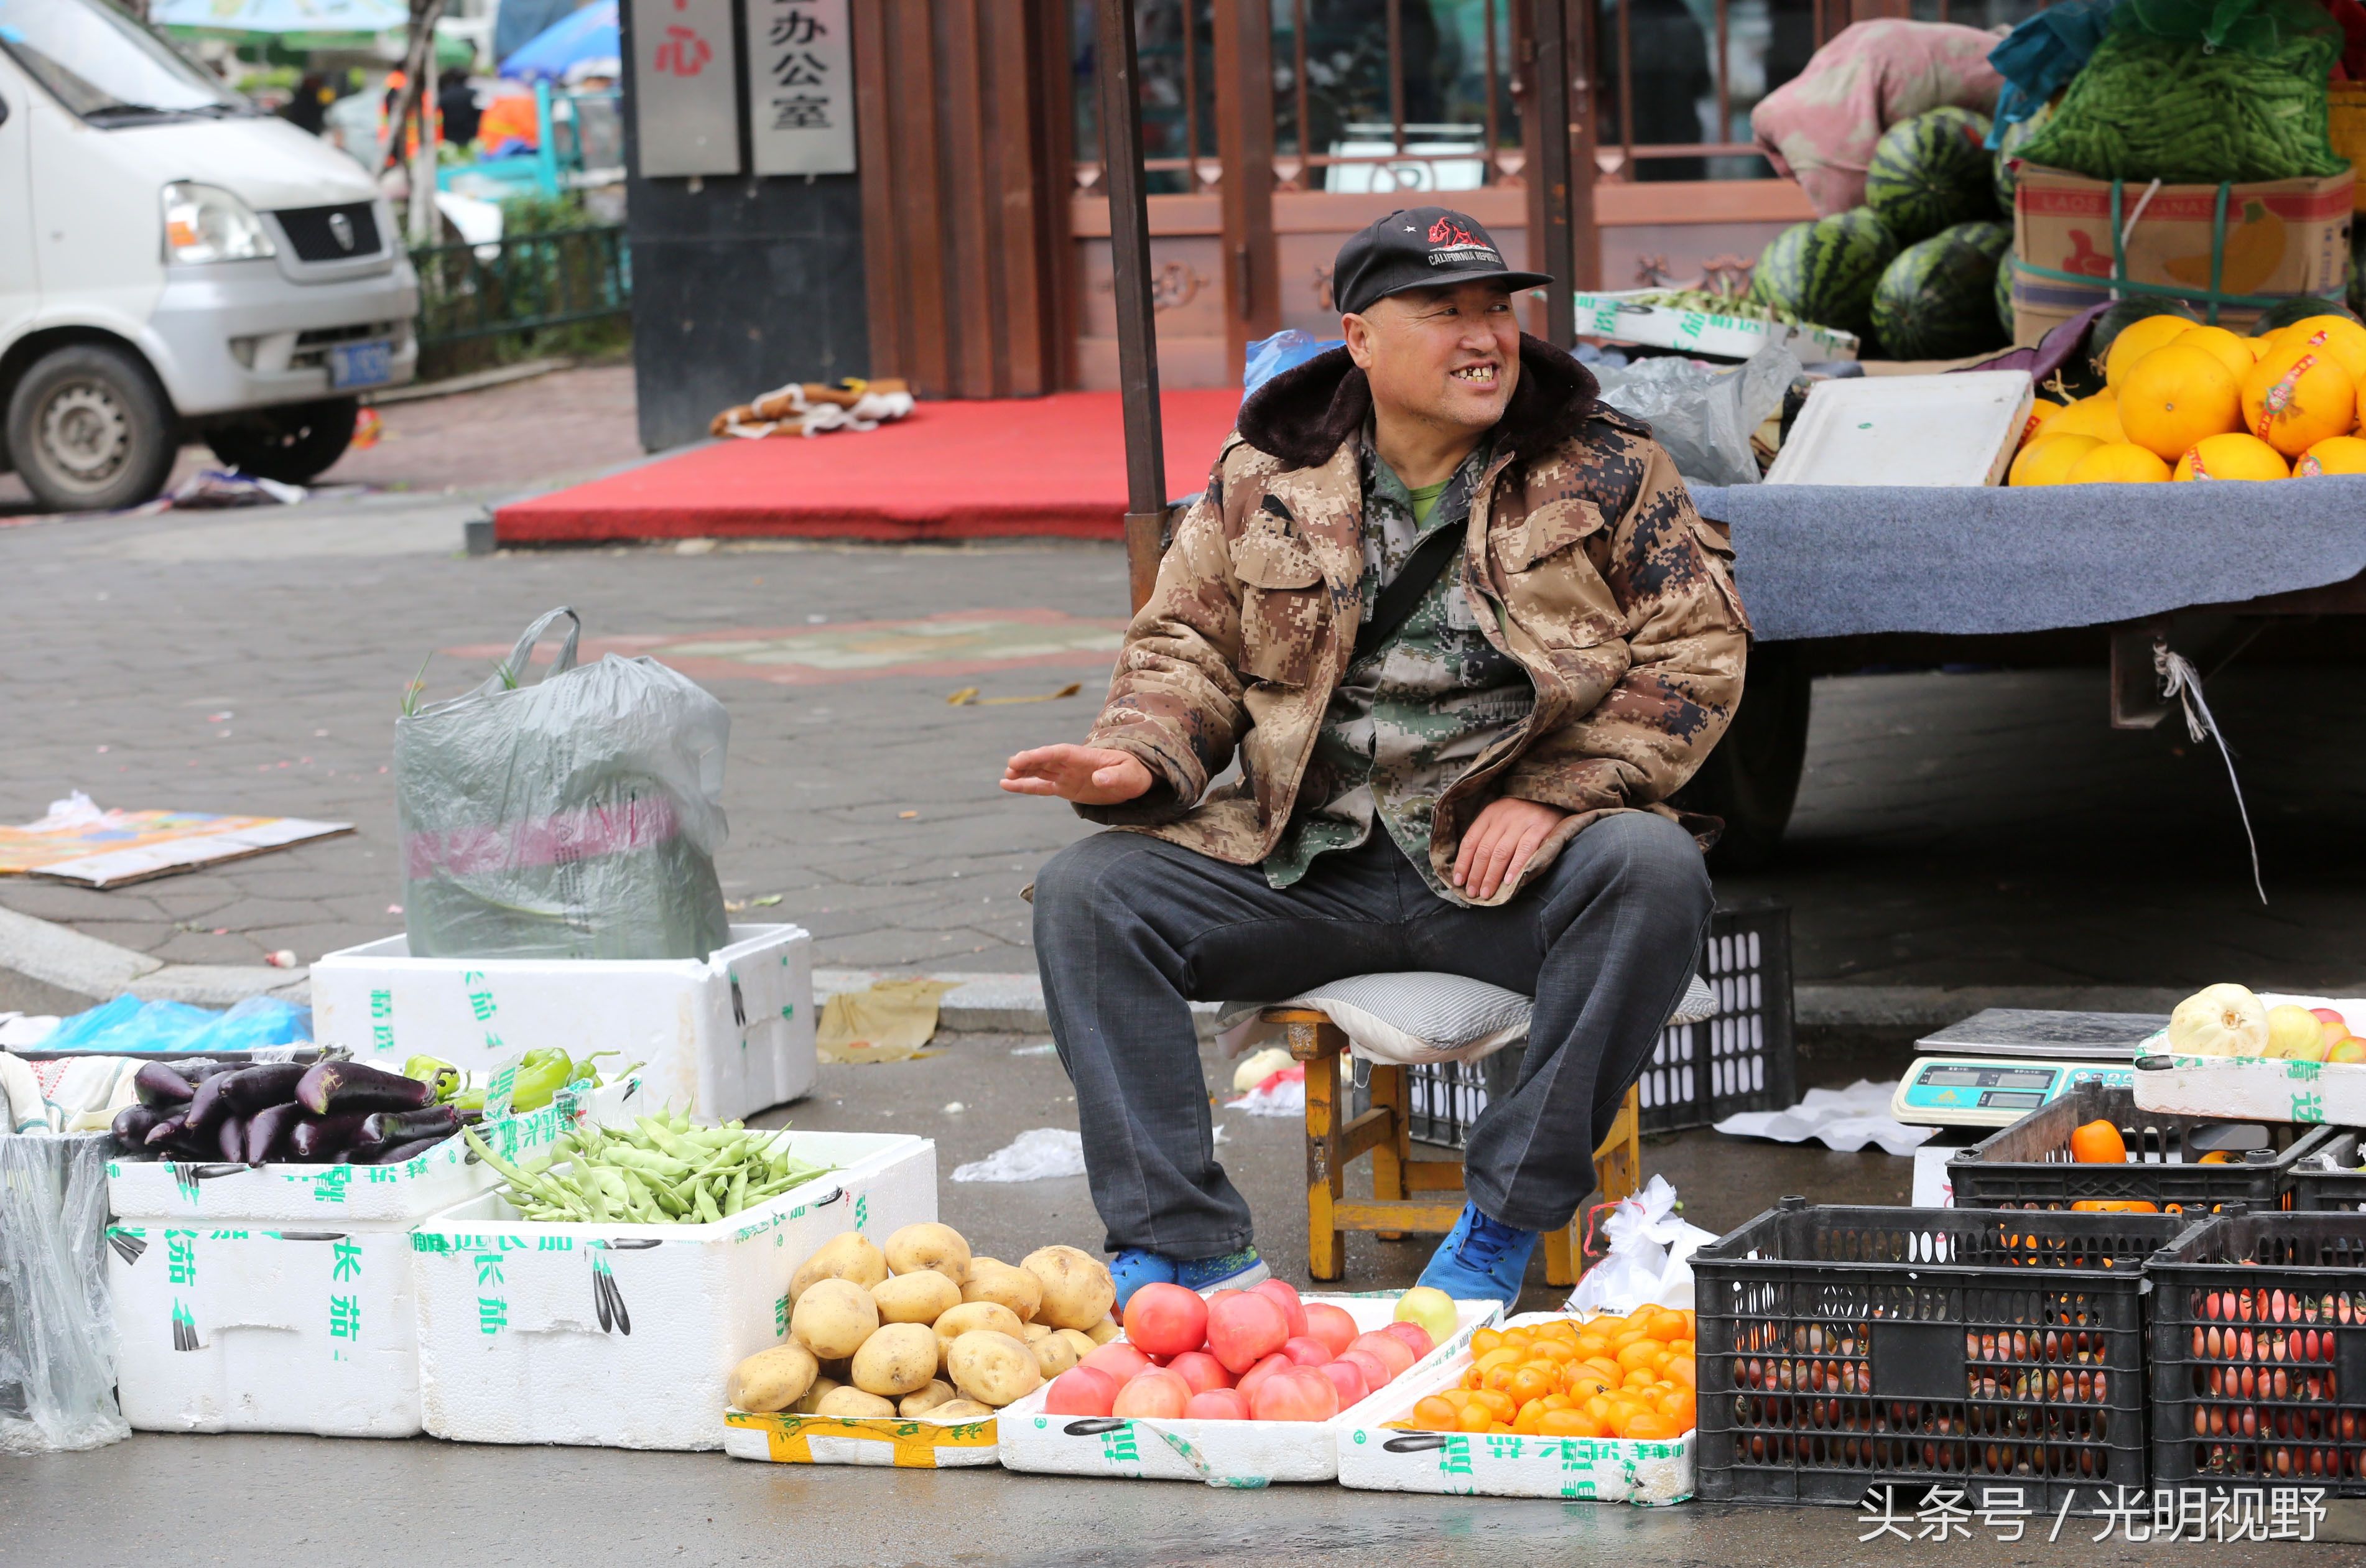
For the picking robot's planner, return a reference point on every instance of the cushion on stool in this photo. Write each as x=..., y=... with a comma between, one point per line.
x=1421, y=1016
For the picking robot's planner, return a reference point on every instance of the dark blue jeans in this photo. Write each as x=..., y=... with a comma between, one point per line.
x=1129, y=929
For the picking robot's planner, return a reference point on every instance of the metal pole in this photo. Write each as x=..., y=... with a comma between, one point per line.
x=1137, y=342
x=1554, y=249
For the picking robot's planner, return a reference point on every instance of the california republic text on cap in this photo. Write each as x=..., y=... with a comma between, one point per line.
x=1421, y=247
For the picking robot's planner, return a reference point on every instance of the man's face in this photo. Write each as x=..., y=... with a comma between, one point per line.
x=1449, y=356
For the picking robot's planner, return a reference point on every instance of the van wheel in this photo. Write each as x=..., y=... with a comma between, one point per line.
x=291, y=445
x=90, y=430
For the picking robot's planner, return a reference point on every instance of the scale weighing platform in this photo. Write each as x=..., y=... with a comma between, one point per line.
x=1999, y=1065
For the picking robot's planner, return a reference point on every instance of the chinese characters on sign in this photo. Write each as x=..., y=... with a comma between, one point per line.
x=685, y=73
x=2128, y=1513
x=801, y=87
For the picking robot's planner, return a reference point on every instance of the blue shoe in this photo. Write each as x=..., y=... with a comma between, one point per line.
x=1232, y=1271
x=1136, y=1268
x=1480, y=1260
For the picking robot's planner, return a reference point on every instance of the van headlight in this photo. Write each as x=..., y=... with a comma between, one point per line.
x=206, y=223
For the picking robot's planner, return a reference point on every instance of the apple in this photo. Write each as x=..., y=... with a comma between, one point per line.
x=1159, y=1395
x=1300, y=1394
x=1375, y=1372
x=1217, y=1405
x=1167, y=1320
x=1415, y=1338
x=1306, y=1351
x=1245, y=1329
x=2335, y=1025
x=1283, y=1294
x=1118, y=1360
x=1348, y=1379
x=2349, y=1048
x=1256, y=1376
x=1201, y=1369
x=1331, y=1325
x=1080, y=1391
x=1393, y=1352
x=1433, y=1309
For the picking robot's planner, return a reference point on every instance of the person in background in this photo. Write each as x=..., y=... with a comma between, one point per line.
x=456, y=101
x=308, y=109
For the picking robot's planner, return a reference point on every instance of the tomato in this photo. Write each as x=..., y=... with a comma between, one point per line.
x=1254, y=1378
x=1296, y=1393
x=1119, y=1360
x=1392, y=1351
x=1080, y=1391
x=1348, y=1379
x=1166, y=1320
x=1531, y=1382
x=1157, y=1393
x=1217, y=1405
x=1375, y=1372
x=1571, y=1424
x=1331, y=1325
x=1245, y=1329
x=1285, y=1296
x=1415, y=1337
x=1485, y=1340
x=1202, y=1371
x=1306, y=1351
x=1648, y=1425
x=1437, y=1413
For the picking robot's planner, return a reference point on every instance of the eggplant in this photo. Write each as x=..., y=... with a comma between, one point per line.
x=268, y=1131
x=329, y=1088
x=317, y=1140
x=159, y=1086
x=395, y=1153
x=229, y=1136
x=206, y=1106
x=133, y=1123
x=250, y=1089
x=404, y=1126
x=164, y=1132
x=198, y=1069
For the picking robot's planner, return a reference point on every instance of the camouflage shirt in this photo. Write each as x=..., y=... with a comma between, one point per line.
x=1408, y=718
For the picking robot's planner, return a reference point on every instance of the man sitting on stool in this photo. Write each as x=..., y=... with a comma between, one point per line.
x=1463, y=629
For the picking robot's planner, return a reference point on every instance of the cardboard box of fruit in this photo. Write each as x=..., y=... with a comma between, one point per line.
x=2269, y=1057
x=1241, y=1389
x=1431, y=1434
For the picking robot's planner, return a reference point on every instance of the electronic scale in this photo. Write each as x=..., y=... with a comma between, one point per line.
x=1999, y=1065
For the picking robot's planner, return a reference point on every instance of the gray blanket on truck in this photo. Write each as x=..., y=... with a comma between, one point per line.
x=1839, y=560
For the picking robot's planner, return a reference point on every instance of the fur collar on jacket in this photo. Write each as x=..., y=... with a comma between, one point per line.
x=1301, y=415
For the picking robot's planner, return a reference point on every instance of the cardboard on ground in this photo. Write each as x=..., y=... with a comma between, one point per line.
x=133, y=846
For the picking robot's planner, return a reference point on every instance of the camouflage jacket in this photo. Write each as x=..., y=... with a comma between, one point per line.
x=1586, y=563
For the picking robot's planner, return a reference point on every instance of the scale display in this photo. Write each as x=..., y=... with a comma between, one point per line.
x=1942, y=1092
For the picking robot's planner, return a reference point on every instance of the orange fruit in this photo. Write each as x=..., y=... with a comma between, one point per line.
x=2040, y=413
x=2099, y=1143
x=2334, y=454
x=2237, y=456
x=2115, y=1206
x=2223, y=347
x=1648, y=1426
x=2098, y=416
x=1531, y=1383
x=2138, y=339
x=2298, y=396
x=1486, y=1340
x=2338, y=336
x=2175, y=396
x=2118, y=462
x=1473, y=1418
x=1436, y=1414
x=1572, y=1423
x=1642, y=1353
x=2258, y=347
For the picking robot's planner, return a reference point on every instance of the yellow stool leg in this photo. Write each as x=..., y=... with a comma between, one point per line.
x=1391, y=1156
x=1617, y=1173
x=1316, y=1045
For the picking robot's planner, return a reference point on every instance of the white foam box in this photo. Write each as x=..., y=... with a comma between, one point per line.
x=1959, y=429
x=1220, y=1453
x=786, y=1437
x=721, y=1037
x=1626, y=318
x=1375, y=1458
x=278, y=1298
x=624, y=1336
x=2256, y=1087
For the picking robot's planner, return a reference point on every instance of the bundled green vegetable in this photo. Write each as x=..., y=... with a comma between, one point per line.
x=1741, y=307
x=661, y=1170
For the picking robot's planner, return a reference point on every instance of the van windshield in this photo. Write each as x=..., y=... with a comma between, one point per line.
x=106, y=67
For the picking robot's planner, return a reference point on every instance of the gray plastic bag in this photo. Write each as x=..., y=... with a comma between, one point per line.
x=57, y=1327
x=1704, y=420
x=577, y=818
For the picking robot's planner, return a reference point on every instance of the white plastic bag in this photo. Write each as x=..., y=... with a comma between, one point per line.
x=1036, y=1156
x=1650, y=1258
x=1704, y=420
x=57, y=1330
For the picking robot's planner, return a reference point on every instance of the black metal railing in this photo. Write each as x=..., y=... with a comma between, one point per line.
x=520, y=288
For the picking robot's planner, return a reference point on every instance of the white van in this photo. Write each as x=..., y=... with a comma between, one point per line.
x=175, y=264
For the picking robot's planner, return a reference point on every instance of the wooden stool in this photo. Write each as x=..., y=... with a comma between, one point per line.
x=1385, y=1132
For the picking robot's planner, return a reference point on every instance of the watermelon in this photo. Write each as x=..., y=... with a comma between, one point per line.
x=2123, y=315
x=1840, y=262
x=2004, y=293
x=1779, y=280
x=1932, y=172
x=1937, y=301
x=2298, y=308
x=2009, y=142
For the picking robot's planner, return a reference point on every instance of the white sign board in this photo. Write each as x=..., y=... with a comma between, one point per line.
x=801, y=87
x=686, y=93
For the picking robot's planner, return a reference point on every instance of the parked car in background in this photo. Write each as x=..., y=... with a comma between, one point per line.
x=175, y=264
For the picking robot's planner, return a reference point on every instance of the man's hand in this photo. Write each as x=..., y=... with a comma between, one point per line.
x=1088, y=775
x=1496, y=848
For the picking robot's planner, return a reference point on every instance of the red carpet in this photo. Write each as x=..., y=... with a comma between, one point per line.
x=1032, y=465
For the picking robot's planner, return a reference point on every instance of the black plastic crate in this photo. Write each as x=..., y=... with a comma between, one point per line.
x=2326, y=1179
x=1740, y=1058
x=2028, y=1165
x=2258, y=1353
x=1846, y=1348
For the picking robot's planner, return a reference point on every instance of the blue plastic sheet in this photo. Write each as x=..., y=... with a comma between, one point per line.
x=2042, y=54
x=129, y=1027
x=1285, y=350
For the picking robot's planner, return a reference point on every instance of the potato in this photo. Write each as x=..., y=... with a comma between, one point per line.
x=854, y=1401
x=772, y=1380
x=833, y=1318
x=991, y=1279
x=971, y=1315
x=993, y=1369
x=923, y=1297
x=823, y=1387
x=842, y=1257
x=1038, y=1331
x=1081, y=1342
x=1054, y=1354
x=938, y=1393
x=961, y=1410
x=901, y=1358
x=1077, y=1291
x=1104, y=1331
x=930, y=1246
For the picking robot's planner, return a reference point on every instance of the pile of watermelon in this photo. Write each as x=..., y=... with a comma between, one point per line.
x=1916, y=268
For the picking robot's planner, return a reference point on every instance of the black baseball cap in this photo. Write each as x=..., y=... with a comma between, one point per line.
x=1419, y=247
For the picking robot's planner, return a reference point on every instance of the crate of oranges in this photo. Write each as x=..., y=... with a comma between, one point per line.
x=2050, y=1158
x=1546, y=1406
